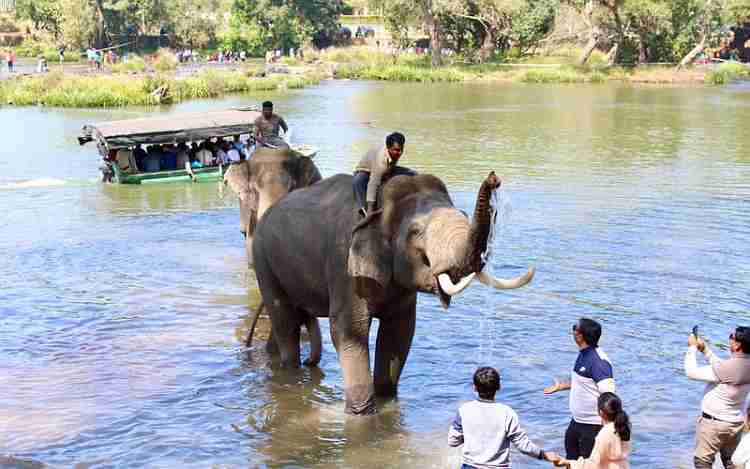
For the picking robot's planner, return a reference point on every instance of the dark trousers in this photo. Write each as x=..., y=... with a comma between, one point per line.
x=579, y=439
x=362, y=179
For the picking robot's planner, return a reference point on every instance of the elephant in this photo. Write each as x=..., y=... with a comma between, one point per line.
x=260, y=182
x=316, y=257
x=265, y=179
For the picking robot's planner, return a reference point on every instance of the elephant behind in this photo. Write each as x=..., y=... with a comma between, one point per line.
x=265, y=179
x=315, y=257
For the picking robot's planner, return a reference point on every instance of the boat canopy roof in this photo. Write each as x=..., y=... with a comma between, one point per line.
x=173, y=128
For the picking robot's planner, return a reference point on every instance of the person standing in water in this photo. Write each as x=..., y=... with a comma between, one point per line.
x=612, y=443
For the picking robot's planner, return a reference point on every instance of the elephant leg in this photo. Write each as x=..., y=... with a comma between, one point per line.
x=351, y=341
x=271, y=347
x=395, y=335
x=285, y=320
x=249, y=249
x=286, y=326
x=316, y=344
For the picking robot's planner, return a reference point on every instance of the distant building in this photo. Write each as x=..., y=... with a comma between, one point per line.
x=7, y=6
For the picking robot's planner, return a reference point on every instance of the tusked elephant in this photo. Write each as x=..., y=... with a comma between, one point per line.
x=315, y=257
x=265, y=179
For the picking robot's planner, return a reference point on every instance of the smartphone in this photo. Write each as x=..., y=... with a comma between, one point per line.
x=695, y=331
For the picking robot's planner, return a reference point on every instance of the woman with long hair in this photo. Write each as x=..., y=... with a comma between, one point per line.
x=612, y=444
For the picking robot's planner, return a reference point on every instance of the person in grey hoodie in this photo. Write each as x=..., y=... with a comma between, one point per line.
x=486, y=428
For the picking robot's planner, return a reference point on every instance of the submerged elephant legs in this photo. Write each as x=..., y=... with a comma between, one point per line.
x=394, y=342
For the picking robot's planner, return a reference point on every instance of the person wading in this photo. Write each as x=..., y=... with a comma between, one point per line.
x=723, y=407
x=591, y=376
x=377, y=163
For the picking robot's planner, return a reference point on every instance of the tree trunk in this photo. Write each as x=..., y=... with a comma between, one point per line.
x=488, y=44
x=590, y=46
x=642, y=50
x=594, y=33
x=614, y=53
x=433, y=28
x=99, y=29
x=688, y=59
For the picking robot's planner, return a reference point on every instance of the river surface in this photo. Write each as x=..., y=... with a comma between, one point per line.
x=123, y=309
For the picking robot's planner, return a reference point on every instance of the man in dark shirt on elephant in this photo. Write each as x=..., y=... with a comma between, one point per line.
x=378, y=162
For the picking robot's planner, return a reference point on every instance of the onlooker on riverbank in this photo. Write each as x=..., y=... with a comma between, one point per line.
x=10, y=58
x=612, y=443
x=723, y=407
x=592, y=376
x=486, y=428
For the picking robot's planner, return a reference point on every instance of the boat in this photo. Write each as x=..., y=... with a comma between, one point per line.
x=112, y=136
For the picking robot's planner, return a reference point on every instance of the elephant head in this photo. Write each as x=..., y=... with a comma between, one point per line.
x=421, y=242
x=265, y=179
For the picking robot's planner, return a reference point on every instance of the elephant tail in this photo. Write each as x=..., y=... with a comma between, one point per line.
x=253, y=322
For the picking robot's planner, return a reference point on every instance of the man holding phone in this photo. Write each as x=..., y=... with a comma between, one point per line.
x=723, y=407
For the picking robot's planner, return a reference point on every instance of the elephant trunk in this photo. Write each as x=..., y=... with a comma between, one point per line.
x=482, y=223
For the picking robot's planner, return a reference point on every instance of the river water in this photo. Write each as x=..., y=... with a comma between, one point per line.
x=123, y=309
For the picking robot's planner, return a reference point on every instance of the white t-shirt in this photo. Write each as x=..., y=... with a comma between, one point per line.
x=233, y=155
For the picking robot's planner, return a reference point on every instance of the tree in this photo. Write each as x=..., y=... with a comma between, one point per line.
x=284, y=24
x=195, y=22
x=77, y=29
x=44, y=14
x=649, y=27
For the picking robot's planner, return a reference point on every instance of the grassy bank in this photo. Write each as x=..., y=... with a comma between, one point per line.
x=59, y=90
x=369, y=64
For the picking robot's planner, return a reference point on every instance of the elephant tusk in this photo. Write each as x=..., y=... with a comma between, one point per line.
x=446, y=284
x=506, y=284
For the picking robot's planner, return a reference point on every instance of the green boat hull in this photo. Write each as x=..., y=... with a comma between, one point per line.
x=215, y=173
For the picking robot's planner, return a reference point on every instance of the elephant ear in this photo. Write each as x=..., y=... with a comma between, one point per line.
x=370, y=260
x=309, y=173
x=237, y=178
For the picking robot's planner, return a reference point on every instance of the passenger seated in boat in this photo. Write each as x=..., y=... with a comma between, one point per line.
x=152, y=162
x=220, y=156
x=140, y=155
x=233, y=155
x=204, y=154
x=183, y=155
x=193, y=151
x=237, y=144
x=126, y=161
x=169, y=158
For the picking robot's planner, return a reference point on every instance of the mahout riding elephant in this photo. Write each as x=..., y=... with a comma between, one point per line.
x=315, y=257
x=265, y=179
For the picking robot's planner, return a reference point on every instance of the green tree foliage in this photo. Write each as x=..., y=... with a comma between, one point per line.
x=44, y=14
x=261, y=25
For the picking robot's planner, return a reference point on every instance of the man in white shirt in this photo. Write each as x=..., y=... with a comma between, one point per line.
x=592, y=376
x=204, y=155
x=723, y=407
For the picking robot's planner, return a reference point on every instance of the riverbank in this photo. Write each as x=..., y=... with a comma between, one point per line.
x=371, y=65
x=58, y=89
x=134, y=83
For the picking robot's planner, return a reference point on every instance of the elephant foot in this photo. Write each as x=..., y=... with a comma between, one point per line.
x=360, y=401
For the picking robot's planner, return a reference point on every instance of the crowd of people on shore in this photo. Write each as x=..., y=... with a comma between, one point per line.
x=599, y=432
